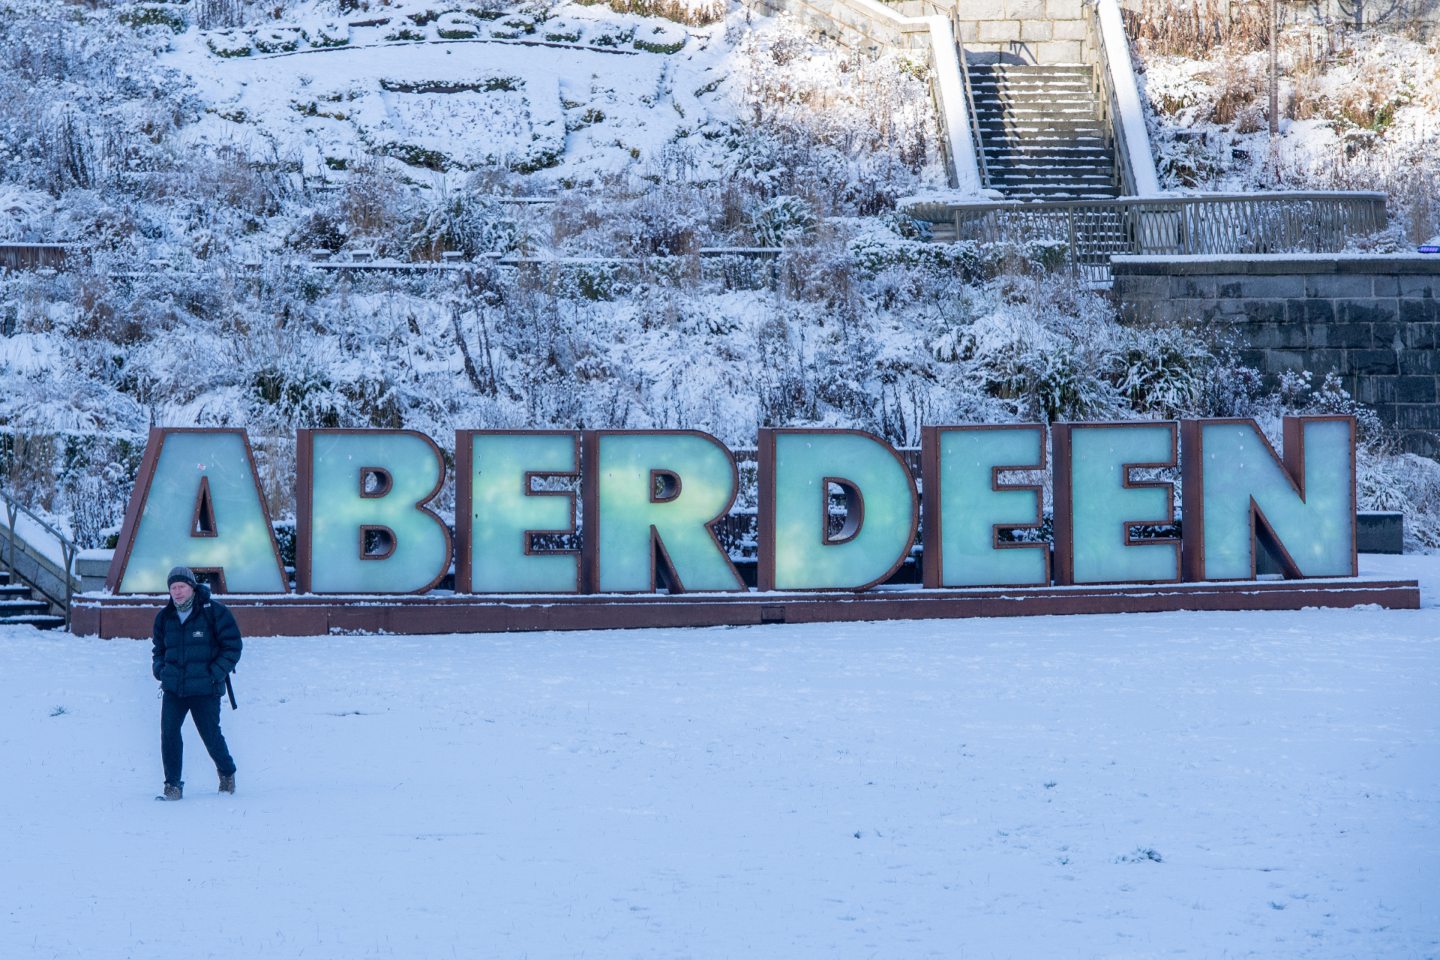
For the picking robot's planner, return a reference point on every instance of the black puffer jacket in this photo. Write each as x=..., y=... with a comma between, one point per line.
x=191, y=659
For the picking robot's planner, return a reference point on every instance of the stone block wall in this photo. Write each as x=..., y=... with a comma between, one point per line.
x=1374, y=320
x=1037, y=31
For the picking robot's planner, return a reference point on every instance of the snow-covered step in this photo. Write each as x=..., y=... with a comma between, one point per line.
x=1039, y=113
x=1041, y=133
x=1025, y=161
x=40, y=621
x=1077, y=125
x=22, y=606
x=982, y=91
x=1052, y=196
x=1032, y=69
x=1009, y=175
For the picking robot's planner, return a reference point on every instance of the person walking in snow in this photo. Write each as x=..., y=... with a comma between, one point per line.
x=196, y=645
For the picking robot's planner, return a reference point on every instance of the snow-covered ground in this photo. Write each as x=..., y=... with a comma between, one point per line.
x=1203, y=785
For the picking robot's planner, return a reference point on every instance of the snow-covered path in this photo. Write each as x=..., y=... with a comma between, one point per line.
x=1199, y=785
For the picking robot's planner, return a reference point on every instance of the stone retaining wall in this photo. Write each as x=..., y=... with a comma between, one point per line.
x=1037, y=31
x=1374, y=320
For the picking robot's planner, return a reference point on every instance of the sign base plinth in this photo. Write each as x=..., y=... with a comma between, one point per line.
x=110, y=616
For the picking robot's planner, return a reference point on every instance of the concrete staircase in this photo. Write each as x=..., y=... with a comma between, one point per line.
x=19, y=606
x=1041, y=131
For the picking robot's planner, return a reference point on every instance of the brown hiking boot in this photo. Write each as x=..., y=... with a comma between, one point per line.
x=173, y=791
x=227, y=783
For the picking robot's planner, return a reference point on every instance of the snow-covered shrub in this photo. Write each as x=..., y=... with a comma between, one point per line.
x=1405, y=482
x=321, y=229
x=696, y=13
x=95, y=487
x=374, y=203
x=230, y=43
x=280, y=39
x=850, y=133
x=609, y=34
x=487, y=9
x=660, y=38
x=162, y=15
x=563, y=30
x=24, y=213
x=470, y=223
x=877, y=250
x=1163, y=370
x=514, y=27
x=456, y=26
x=293, y=387
x=782, y=220
x=329, y=34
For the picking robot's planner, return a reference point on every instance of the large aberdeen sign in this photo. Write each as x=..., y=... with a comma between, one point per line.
x=611, y=517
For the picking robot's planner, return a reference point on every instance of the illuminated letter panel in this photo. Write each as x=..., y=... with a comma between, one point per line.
x=1237, y=489
x=362, y=524
x=197, y=504
x=797, y=468
x=1096, y=503
x=966, y=505
x=657, y=493
x=496, y=499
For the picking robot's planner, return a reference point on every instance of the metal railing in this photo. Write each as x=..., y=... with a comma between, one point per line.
x=1102, y=85
x=56, y=584
x=34, y=256
x=981, y=161
x=1115, y=85
x=1219, y=224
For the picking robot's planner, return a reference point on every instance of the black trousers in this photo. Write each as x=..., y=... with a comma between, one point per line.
x=206, y=711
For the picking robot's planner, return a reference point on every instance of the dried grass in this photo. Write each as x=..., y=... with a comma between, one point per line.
x=695, y=13
x=1199, y=27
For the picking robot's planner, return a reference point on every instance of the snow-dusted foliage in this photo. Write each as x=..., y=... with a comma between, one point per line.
x=1359, y=109
x=719, y=248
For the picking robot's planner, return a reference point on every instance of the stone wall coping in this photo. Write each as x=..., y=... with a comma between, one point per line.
x=1272, y=263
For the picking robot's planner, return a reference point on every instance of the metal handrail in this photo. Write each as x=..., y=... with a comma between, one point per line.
x=984, y=164
x=1223, y=224
x=1135, y=165
x=68, y=548
x=1102, y=84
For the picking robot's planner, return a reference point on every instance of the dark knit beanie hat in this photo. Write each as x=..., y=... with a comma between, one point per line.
x=181, y=575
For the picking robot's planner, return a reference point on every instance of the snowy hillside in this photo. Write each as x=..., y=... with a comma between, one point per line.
x=716, y=244
x=583, y=92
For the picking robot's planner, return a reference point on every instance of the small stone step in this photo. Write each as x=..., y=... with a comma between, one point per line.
x=1076, y=126
x=1032, y=69
x=1069, y=91
x=1044, y=194
x=1037, y=109
x=1039, y=105
x=40, y=621
x=14, y=590
x=23, y=607
x=1025, y=161
x=1056, y=148
x=1084, y=184
x=1020, y=181
x=989, y=88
